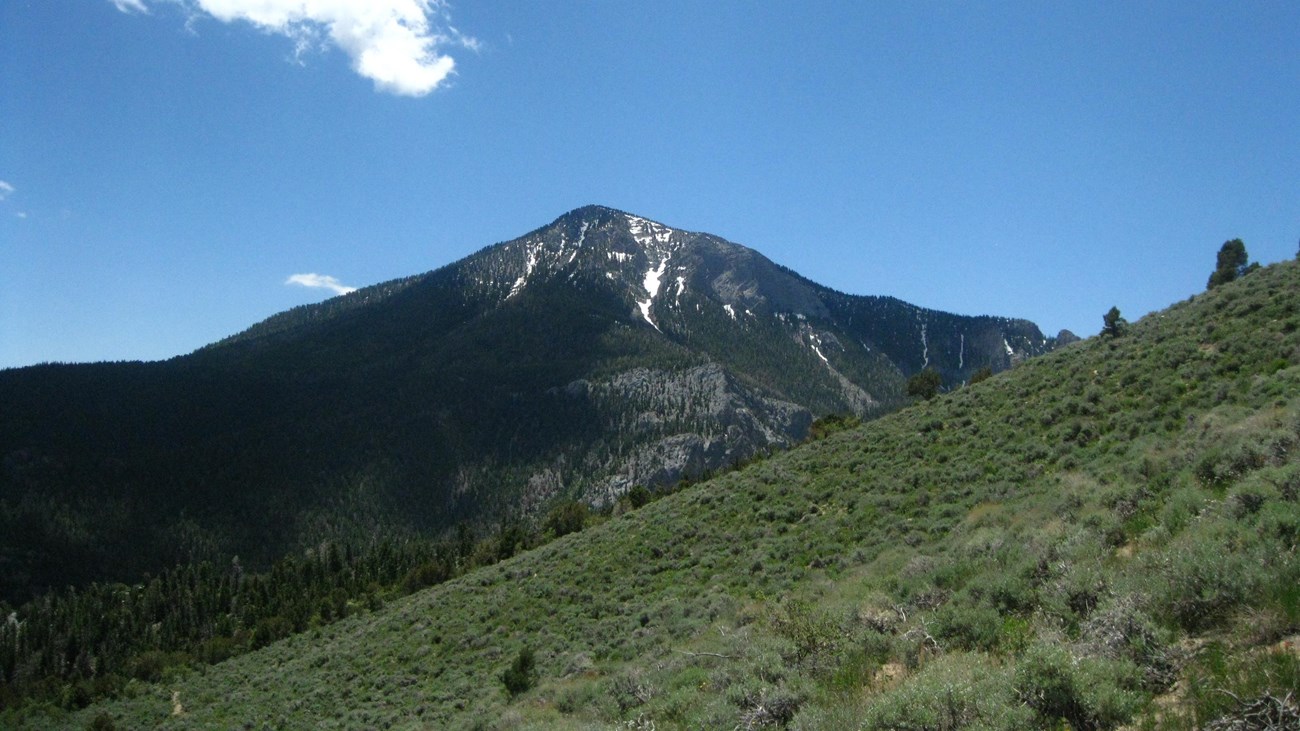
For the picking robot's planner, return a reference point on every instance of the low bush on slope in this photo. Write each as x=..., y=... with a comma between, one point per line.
x=1104, y=536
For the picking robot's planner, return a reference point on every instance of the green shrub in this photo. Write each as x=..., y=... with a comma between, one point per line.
x=813, y=633
x=1220, y=681
x=1014, y=635
x=428, y=573
x=832, y=424
x=1230, y=453
x=567, y=517
x=1086, y=693
x=964, y=690
x=769, y=708
x=631, y=690
x=1078, y=581
x=153, y=665
x=270, y=629
x=1010, y=591
x=1180, y=508
x=1121, y=630
x=219, y=649
x=1224, y=464
x=638, y=496
x=521, y=675
x=925, y=384
x=1202, y=578
x=962, y=624
x=853, y=673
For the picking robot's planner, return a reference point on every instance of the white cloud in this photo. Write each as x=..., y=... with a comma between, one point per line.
x=321, y=281
x=395, y=43
x=5, y=190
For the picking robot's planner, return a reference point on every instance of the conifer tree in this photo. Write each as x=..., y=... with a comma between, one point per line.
x=1113, y=325
x=1231, y=263
x=925, y=384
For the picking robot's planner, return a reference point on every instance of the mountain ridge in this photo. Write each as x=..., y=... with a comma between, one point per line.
x=572, y=226
x=597, y=353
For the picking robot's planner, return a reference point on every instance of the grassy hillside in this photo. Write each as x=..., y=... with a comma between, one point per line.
x=1104, y=536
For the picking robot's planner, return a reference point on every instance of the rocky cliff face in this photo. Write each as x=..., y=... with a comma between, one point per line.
x=680, y=424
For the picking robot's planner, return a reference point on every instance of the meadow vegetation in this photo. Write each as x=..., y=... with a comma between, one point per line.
x=1102, y=537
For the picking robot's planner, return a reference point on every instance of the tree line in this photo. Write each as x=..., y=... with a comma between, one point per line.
x=72, y=647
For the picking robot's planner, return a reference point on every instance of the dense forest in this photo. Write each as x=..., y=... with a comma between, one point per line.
x=72, y=647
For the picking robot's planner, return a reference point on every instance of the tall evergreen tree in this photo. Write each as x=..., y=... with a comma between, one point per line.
x=1232, y=262
x=1113, y=324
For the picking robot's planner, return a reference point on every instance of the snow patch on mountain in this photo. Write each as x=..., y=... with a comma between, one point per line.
x=651, y=283
x=582, y=236
x=815, y=342
x=647, y=232
x=529, y=266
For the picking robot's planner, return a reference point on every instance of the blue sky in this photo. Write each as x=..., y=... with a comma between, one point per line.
x=166, y=166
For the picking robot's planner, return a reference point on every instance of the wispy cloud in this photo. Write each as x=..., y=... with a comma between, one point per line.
x=130, y=6
x=5, y=190
x=398, y=44
x=320, y=281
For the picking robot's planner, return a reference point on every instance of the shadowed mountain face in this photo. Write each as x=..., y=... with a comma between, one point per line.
x=596, y=353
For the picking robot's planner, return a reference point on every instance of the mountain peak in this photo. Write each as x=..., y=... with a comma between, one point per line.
x=591, y=211
x=592, y=215
x=600, y=351
x=593, y=243
x=644, y=230
x=685, y=285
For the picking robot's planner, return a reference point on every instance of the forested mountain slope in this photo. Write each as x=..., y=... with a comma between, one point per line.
x=598, y=353
x=1105, y=535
